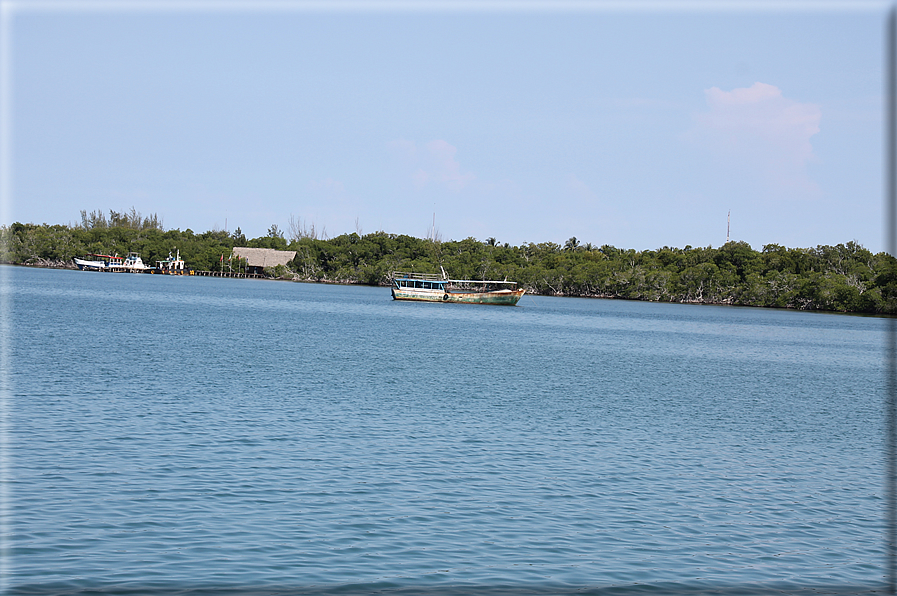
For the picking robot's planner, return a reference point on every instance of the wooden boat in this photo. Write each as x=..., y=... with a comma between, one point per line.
x=426, y=287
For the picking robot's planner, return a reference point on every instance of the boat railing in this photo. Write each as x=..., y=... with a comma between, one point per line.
x=417, y=276
x=481, y=281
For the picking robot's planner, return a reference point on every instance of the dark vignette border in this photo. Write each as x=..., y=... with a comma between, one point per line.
x=94, y=588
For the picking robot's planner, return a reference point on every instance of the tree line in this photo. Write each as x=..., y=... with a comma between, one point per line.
x=842, y=278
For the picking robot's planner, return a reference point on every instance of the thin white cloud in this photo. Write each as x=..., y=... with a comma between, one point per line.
x=432, y=163
x=760, y=128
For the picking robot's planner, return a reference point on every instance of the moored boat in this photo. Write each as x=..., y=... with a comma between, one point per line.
x=131, y=264
x=426, y=287
x=98, y=262
x=90, y=264
x=170, y=266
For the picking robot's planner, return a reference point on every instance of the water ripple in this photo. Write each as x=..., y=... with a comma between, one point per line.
x=265, y=438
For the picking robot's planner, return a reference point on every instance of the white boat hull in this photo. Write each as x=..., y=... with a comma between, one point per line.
x=85, y=265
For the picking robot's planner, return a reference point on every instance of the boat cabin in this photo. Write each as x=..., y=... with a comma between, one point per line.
x=420, y=285
x=171, y=265
x=419, y=281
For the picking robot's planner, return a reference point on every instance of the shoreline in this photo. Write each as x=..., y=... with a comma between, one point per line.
x=63, y=265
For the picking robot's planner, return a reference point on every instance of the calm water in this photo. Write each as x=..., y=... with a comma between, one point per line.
x=195, y=435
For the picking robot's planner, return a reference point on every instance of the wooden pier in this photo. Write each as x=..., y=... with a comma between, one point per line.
x=228, y=274
x=158, y=271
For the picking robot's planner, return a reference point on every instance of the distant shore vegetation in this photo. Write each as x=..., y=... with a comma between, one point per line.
x=841, y=278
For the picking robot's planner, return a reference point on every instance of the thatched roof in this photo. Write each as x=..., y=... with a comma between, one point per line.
x=264, y=257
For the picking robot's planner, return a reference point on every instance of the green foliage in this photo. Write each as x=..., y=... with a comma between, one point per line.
x=279, y=272
x=843, y=278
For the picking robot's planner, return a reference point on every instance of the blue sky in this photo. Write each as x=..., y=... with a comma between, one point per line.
x=638, y=126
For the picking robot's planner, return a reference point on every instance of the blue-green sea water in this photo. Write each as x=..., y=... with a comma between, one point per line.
x=216, y=436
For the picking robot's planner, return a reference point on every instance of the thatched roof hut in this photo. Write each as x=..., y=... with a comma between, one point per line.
x=258, y=259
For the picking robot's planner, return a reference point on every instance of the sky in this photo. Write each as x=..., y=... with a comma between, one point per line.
x=638, y=125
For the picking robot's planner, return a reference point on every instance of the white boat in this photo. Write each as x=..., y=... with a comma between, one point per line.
x=97, y=262
x=132, y=264
x=91, y=265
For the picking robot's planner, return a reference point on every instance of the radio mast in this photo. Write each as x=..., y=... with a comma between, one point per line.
x=728, y=220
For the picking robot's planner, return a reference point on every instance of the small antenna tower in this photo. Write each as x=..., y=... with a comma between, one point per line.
x=728, y=221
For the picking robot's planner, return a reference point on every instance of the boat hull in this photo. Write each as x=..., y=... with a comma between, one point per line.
x=498, y=297
x=85, y=265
